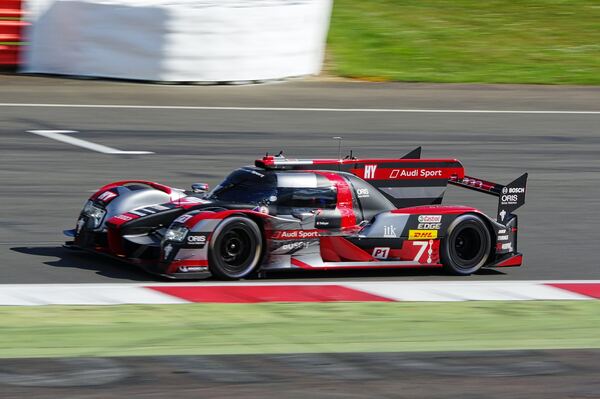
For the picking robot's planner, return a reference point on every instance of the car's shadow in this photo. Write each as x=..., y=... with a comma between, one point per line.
x=372, y=274
x=74, y=259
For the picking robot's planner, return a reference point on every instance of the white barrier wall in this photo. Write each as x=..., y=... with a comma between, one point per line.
x=178, y=40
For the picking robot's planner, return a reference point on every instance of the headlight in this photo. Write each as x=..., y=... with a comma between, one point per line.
x=94, y=213
x=87, y=207
x=177, y=233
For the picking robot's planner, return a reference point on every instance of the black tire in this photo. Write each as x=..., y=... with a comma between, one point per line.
x=235, y=248
x=466, y=247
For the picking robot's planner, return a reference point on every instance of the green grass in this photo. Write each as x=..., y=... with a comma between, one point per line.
x=495, y=41
x=288, y=327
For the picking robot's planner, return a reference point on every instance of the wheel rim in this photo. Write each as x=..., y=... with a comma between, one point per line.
x=235, y=250
x=467, y=249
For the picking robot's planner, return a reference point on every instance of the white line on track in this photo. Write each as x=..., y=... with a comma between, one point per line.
x=389, y=110
x=60, y=135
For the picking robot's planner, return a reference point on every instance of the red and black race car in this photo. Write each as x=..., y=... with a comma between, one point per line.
x=305, y=214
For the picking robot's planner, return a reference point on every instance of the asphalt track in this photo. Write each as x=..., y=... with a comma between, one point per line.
x=44, y=182
x=449, y=375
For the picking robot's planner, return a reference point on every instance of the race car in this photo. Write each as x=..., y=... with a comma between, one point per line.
x=314, y=214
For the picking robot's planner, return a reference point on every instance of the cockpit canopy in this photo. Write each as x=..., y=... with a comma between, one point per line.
x=246, y=186
x=286, y=192
x=284, y=189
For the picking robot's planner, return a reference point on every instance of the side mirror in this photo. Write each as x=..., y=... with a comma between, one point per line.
x=200, y=188
x=302, y=216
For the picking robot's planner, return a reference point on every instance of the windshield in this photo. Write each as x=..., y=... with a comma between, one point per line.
x=246, y=186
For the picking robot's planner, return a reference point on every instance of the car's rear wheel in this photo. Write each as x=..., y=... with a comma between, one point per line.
x=467, y=245
x=235, y=248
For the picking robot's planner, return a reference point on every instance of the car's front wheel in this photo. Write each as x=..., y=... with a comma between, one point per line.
x=235, y=248
x=467, y=245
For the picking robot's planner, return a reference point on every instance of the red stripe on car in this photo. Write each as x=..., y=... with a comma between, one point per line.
x=400, y=173
x=336, y=249
x=344, y=198
x=514, y=261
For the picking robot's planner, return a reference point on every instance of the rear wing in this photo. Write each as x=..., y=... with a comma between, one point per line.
x=406, y=181
x=410, y=180
x=510, y=197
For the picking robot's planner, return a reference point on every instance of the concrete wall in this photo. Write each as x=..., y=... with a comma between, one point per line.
x=178, y=40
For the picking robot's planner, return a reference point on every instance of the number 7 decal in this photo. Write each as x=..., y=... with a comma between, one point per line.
x=423, y=245
x=424, y=252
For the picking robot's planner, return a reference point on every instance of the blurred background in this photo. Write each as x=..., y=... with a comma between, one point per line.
x=542, y=42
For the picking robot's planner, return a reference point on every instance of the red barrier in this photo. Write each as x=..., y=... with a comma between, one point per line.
x=11, y=31
x=8, y=13
x=9, y=55
x=10, y=4
x=10, y=9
